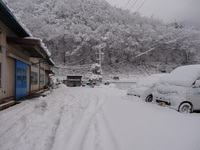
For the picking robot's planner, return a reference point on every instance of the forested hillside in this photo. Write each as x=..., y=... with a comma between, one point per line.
x=74, y=29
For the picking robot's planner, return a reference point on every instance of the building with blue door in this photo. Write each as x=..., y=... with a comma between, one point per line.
x=20, y=79
x=24, y=60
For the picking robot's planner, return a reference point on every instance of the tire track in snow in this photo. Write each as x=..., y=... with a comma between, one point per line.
x=52, y=140
x=70, y=113
x=90, y=129
x=104, y=135
x=74, y=136
x=107, y=136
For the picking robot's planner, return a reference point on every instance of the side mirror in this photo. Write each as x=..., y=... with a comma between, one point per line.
x=197, y=84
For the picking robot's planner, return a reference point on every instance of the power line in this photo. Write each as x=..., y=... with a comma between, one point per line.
x=133, y=4
x=154, y=47
x=127, y=3
x=141, y=5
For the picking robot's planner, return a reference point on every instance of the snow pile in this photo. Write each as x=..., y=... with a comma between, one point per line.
x=182, y=76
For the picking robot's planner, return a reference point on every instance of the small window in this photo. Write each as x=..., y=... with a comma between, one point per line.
x=0, y=75
x=18, y=70
x=24, y=78
x=34, y=78
x=24, y=71
x=18, y=77
x=41, y=78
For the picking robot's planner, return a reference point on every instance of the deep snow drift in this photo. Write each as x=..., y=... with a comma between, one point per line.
x=100, y=118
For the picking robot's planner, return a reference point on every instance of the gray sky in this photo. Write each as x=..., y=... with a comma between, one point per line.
x=167, y=10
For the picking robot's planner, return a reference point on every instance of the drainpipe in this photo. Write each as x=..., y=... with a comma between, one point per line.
x=30, y=80
x=39, y=75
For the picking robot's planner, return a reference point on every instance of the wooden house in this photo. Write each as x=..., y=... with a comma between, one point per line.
x=24, y=61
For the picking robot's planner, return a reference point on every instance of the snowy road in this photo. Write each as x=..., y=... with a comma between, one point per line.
x=100, y=118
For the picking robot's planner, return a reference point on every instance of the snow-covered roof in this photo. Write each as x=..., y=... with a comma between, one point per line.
x=10, y=20
x=183, y=76
x=45, y=48
x=19, y=28
x=53, y=63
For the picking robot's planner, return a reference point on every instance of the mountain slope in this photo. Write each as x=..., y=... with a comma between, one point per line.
x=74, y=30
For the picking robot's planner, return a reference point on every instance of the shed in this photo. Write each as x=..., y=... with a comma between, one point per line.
x=73, y=81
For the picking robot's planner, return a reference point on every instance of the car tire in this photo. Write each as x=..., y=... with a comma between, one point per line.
x=185, y=108
x=149, y=98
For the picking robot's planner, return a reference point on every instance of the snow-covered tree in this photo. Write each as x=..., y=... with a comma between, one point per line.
x=75, y=27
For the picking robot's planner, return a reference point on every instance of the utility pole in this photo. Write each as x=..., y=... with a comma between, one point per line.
x=99, y=54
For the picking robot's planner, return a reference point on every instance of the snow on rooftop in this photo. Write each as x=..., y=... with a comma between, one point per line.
x=45, y=48
x=18, y=20
x=41, y=43
x=5, y=1
x=22, y=25
x=52, y=61
x=183, y=76
x=32, y=38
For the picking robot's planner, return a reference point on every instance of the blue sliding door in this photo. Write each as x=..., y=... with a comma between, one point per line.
x=20, y=79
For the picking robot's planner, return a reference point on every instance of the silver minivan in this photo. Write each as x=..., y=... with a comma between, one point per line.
x=180, y=89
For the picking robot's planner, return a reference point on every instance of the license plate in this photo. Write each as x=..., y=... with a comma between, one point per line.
x=161, y=103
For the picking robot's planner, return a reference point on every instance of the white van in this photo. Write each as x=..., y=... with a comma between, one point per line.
x=180, y=89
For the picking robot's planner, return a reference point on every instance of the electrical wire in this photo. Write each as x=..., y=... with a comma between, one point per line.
x=127, y=4
x=133, y=4
x=141, y=5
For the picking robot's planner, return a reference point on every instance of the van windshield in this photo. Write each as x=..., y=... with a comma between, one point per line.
x=182, y=76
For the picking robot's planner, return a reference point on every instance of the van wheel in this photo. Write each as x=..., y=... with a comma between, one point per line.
x=185, y=108
x=149, y=98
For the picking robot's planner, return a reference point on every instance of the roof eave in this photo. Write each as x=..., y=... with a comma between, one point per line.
x=10, y=20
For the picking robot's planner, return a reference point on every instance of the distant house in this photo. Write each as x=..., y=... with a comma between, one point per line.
x=24, y=60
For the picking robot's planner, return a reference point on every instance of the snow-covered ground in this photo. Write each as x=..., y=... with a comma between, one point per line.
x=100, y=118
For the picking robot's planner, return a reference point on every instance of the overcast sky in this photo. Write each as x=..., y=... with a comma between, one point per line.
x=167, y=10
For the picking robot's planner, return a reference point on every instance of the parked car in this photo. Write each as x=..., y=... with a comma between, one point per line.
x=144, y=87
x=180, y=89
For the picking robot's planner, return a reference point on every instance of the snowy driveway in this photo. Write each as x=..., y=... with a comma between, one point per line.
x=100, y=118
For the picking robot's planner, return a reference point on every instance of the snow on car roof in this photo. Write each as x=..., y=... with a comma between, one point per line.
x=182, y=76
